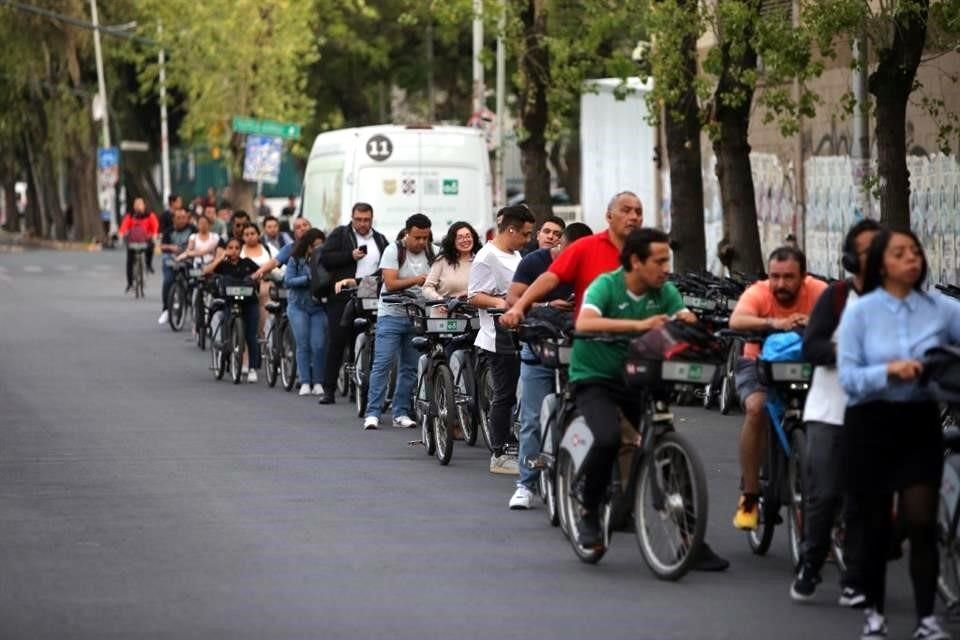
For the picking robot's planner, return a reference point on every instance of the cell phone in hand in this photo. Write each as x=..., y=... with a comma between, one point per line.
x=362, y=249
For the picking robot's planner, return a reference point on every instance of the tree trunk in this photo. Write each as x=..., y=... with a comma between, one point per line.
x=740, y=249
x=535, y=70
x=891, y=83
x=82, y=185
x=682, y=125
x=12, y=223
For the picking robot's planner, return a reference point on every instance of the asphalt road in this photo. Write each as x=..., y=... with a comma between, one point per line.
x=140, y=498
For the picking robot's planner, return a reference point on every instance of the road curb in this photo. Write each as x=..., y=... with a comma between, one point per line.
x=12, y=244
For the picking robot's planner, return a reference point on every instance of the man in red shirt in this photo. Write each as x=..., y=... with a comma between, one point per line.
x=585, y=259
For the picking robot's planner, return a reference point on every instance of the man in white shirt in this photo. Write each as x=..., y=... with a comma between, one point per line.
x=490, y=278
x=404, y=265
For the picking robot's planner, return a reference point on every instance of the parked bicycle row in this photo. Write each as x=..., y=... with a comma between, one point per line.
x=565, y=363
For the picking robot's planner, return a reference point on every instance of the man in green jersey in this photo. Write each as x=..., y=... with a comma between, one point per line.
x=632, y=299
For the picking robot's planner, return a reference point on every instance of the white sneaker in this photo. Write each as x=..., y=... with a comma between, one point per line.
x=371, y=422
x=404, y=422
x=164, y=316
x=304, y=390
x=317, y=389
x=930, y=629
x=522, y=498
x=252, y=375
x=505, y=464
x=874, y=627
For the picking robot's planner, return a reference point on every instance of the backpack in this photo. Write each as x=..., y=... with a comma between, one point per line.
x=783, y=347
x=320, y=281
x=138, y=232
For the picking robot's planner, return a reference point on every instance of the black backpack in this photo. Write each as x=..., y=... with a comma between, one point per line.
x=321, y=284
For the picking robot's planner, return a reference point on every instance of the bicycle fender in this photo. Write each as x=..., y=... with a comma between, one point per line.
x=577, y=441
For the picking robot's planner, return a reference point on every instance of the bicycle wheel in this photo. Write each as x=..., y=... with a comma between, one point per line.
x=237, y=345
x=670, y=508
x=422, y=406
x=344, y=383
x=769, y=502
x=218, y=353
x=177, y=306
x=138, y=275
x=795, y=466
x=362, y=363
x=570, y=506
x=288, y=356
x=200, y=320
x=728, y=388
x=838, y=537
x=484, y=398
x=948, y=584
x=466, y=400
x=271, y=369
x=549, y=496
x=444, y=419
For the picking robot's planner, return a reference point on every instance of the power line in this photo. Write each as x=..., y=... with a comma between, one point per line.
x=76, y=22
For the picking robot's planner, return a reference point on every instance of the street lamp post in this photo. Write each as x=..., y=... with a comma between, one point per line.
x=107, y=197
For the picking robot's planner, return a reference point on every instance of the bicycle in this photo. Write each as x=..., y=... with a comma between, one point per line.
x=139, y=265
x=484, y=394
x=781, y=471
x=359, y=362
x=279, y=346
x=227, y=342
x=181, y=299
x=666, y=489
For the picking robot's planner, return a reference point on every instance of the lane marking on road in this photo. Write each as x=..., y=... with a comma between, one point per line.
x=66, y=267
x=32, y=268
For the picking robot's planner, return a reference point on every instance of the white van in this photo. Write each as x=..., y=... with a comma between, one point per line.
x=441, y=171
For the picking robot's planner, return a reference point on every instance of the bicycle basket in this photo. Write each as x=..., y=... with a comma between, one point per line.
x=677, y=352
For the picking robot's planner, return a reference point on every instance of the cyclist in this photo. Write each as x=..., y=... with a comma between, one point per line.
x=450, y=273
x=173, y=243
x=203, y=244
x=895, y=441
x=783, y=302
x=404, y=265
x=490, y=277
x=352, y=251
x=586, y=259
x=548, y=235
x=230, y=265
x=308, y=317
x=217, y=225
x=138, y=226
x=823, y=418
x=636, y=297
x=260, y=254
x=537, y=381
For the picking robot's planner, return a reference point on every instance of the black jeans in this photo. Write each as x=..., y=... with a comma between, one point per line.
x=338, y=338
x=505, y=369
x=602, y=404
x=251, y=320
x=897, y=447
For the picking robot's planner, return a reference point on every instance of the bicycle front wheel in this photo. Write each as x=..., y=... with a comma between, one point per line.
x=288, y=357
x=271, y=369
x=236, y=350
x=177, y=306
x=466, y=399
x=484, y=400
x=218, y=350
x=445, y=416
x=670, y=508
x=200, y=319
x=795, y=466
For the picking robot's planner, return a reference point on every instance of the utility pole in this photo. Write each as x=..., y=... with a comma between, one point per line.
x=478, y=88
x=500, y=196
x=108, y=196
x=861, y=128
x=164, y=132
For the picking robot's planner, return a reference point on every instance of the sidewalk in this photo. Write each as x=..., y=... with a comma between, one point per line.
x=16, y=242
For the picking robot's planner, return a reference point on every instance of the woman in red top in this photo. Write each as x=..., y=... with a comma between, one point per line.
x=139, y=226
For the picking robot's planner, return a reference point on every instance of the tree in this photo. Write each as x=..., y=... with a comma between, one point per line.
x=899, y=32
x=232, y=58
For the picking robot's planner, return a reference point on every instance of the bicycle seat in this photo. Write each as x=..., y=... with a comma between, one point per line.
x=361, y=323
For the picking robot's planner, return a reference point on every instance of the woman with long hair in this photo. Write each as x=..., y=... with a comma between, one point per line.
x=450, y=272
x=255, y=250
x=308, y=316
x=892, y=422
x=202, y=244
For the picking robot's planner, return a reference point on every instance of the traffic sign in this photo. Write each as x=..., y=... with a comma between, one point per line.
x=262, y=160
x=265, y=127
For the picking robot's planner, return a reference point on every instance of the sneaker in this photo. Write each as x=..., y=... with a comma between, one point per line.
x=852, y=598
x=327, y=398
x=588, y=530
x=404, y=422
x=747, y=516
x=252, y=375
x=708, y=560
x=128, y=289
x=164, y=316
x=505, y=464
x=304, y=390
x=805, y=584
x=874, y=627
x=521, y=499
x=930, y=629
x=371, y=422
x=317, y=390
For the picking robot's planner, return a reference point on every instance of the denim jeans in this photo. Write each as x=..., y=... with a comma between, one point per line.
x=167, y=281
x=393, y=338
x=536, y=382
x=310, y=331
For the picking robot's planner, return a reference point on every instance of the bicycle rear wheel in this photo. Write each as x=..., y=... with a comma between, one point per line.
x=795, y=513
x=670, y=508
x=549, y=496
x=728, y=388
x=218, y=350
x=466, y=398
x=288, y=357
x=177, y=306
x=571, y=507
x=445, y=418
x=271, y=369
x=237, y=345
x=769, y=502
x=363, y=362
x=344, y=383
x=484, y=399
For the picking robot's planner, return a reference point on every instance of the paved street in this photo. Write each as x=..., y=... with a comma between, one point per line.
x=139, y=497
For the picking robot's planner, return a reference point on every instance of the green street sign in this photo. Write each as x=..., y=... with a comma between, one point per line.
x=266, y=127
